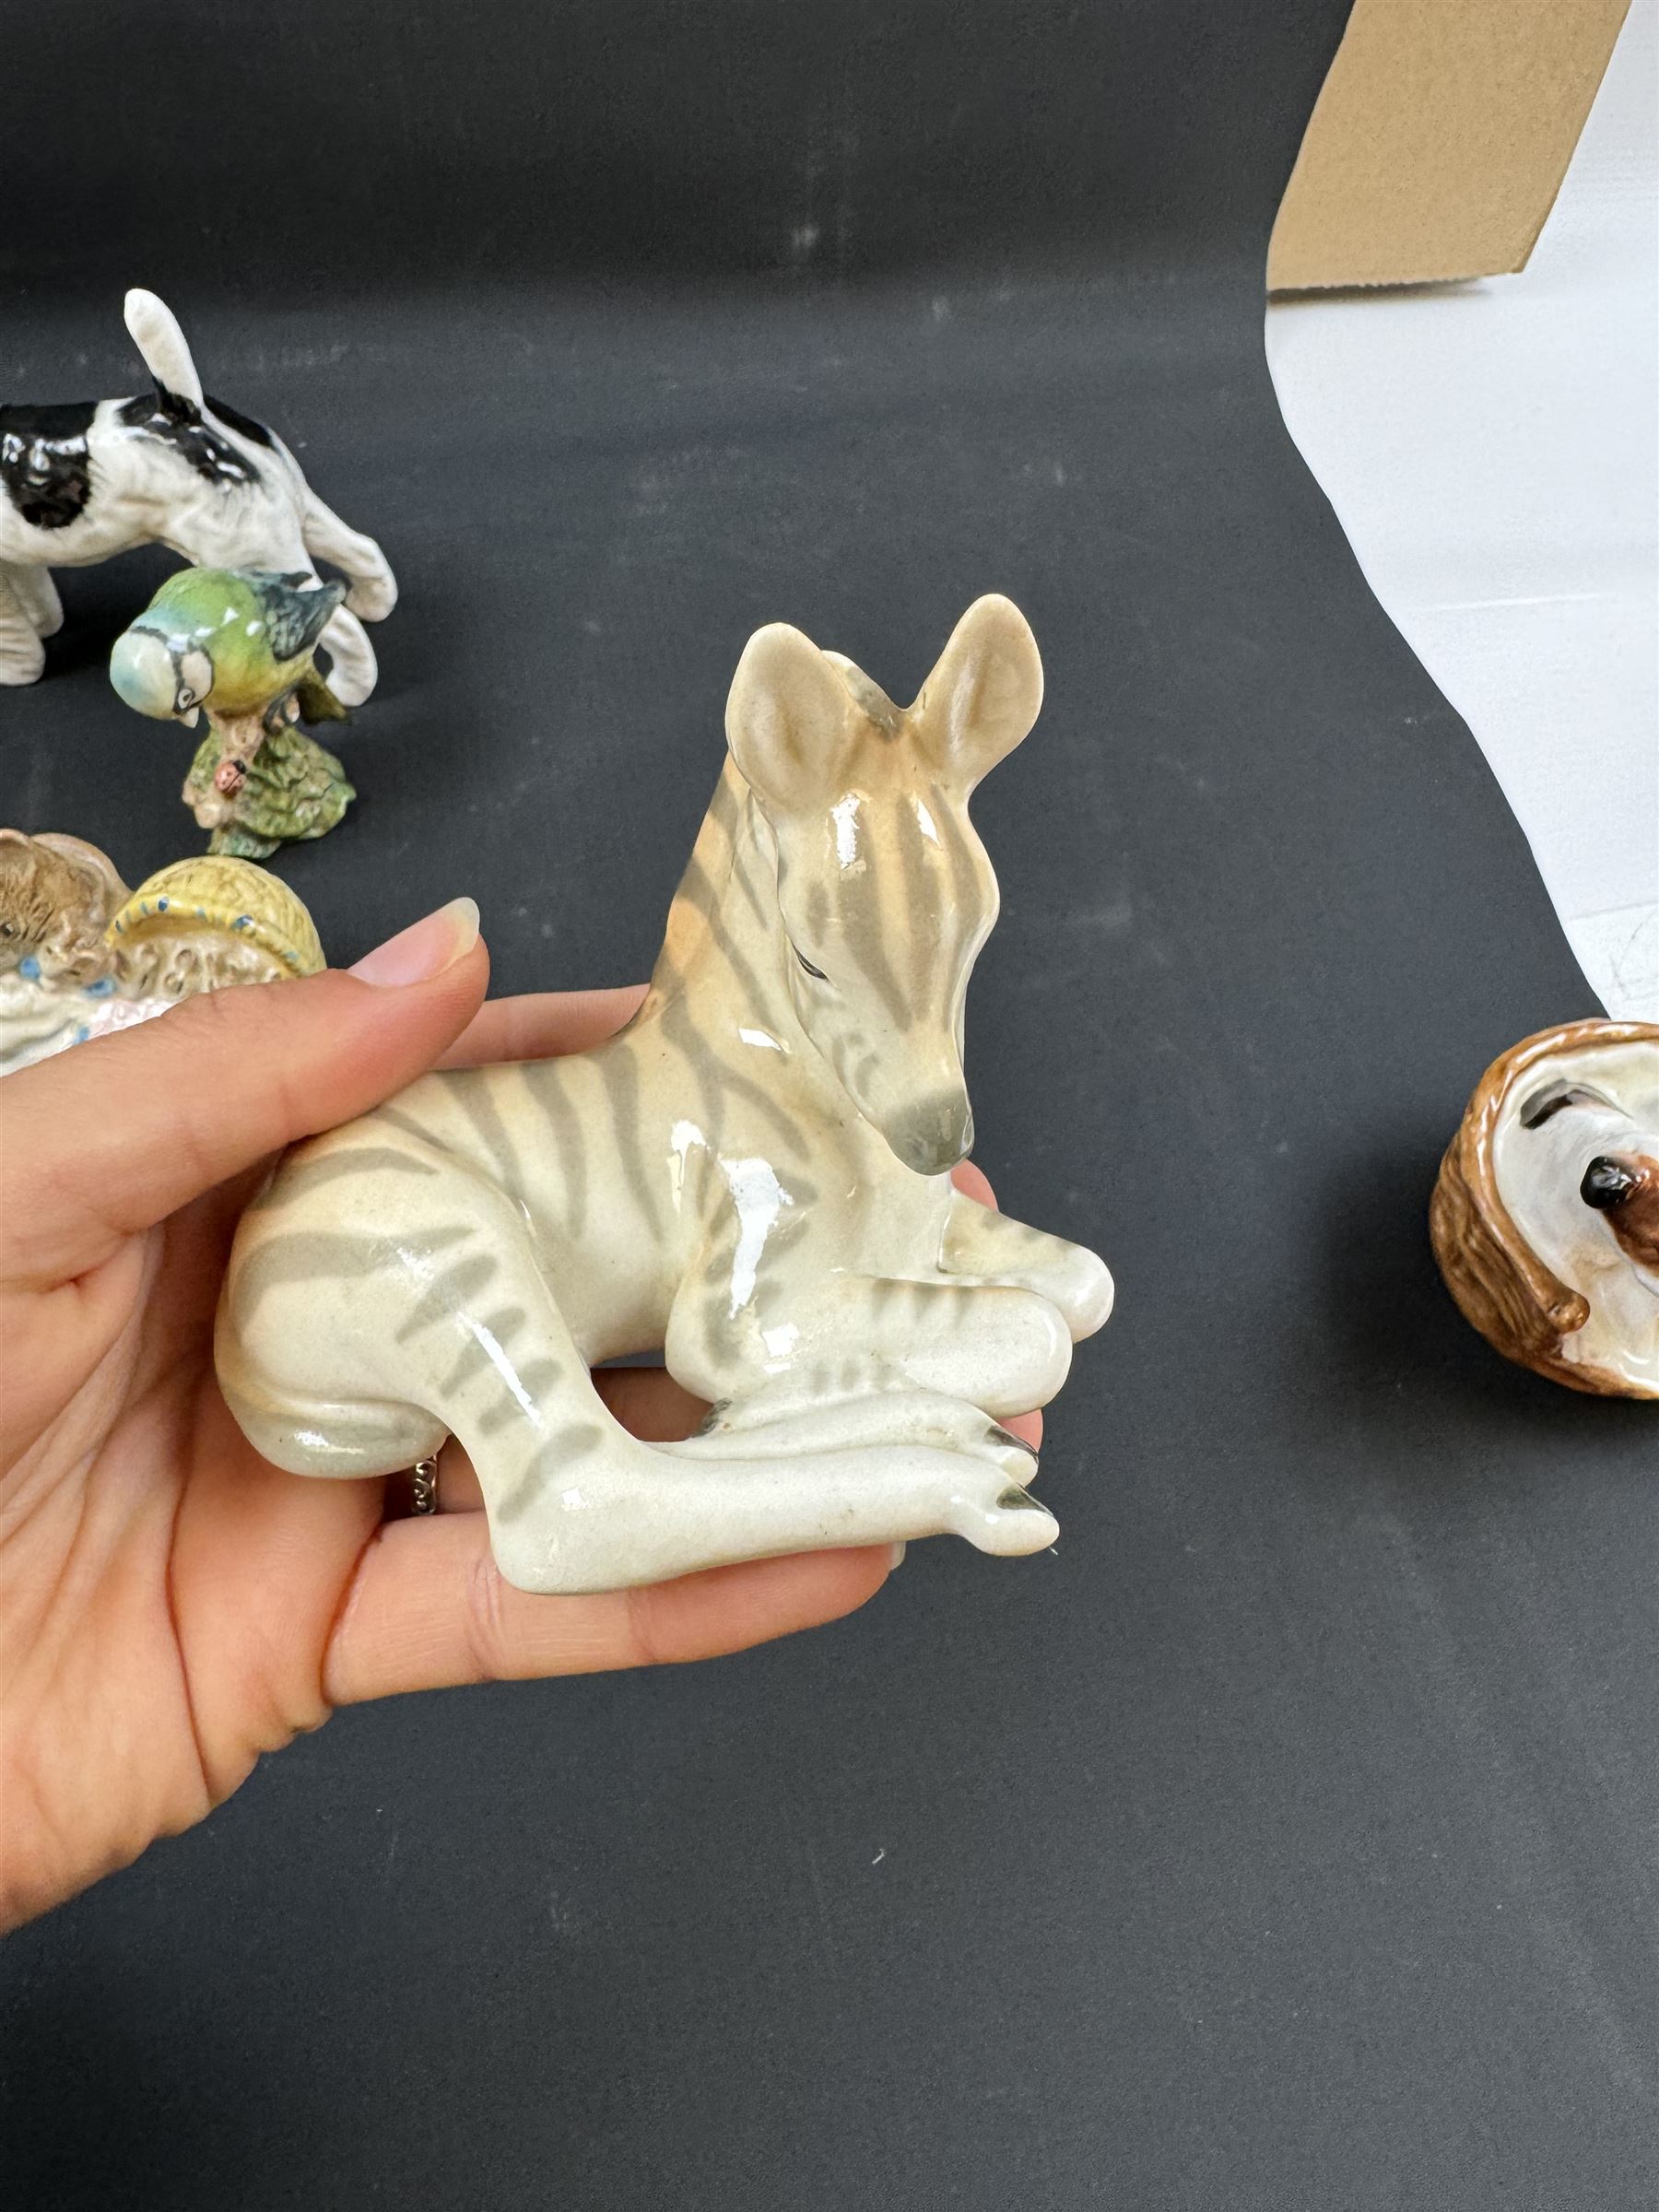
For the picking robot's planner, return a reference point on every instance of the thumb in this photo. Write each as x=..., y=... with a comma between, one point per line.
x=112, y=1136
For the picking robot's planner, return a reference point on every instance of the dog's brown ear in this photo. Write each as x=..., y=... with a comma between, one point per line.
x=1502, y=1288
x=105, y=892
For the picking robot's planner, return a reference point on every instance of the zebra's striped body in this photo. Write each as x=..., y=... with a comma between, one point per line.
x=727, y=1178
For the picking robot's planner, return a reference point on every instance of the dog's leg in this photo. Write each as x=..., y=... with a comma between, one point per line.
x=22, y=656
x=373, y=592
x=353, y=675
x=35, y=588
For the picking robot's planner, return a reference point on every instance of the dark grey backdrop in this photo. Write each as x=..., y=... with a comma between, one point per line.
x=1286, y=1839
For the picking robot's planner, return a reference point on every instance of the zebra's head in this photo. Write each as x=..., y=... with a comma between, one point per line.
x=884, y=891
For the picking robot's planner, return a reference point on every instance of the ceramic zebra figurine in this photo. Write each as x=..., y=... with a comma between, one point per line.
x=82, y=481
x=754, y=1175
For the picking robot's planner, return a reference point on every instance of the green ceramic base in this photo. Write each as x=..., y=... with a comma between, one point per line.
x=295, y=788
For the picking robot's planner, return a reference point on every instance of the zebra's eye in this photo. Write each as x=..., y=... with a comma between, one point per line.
x=815, y=973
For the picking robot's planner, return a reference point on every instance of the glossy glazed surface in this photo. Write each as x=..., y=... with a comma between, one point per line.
x=1546, y=1217
x=753, y=1176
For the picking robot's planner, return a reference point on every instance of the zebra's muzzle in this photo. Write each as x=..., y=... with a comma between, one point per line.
x=931, y=1137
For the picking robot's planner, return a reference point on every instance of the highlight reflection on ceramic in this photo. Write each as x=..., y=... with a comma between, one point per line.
x=1545, y=1216
x=754, y=1176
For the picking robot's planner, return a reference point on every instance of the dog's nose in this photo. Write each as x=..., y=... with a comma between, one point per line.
x=1608, y=1182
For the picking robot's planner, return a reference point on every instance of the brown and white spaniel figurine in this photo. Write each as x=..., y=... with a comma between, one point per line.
x=1545, y=1217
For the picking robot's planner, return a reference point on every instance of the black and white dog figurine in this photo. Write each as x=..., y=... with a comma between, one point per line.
x=95, y=477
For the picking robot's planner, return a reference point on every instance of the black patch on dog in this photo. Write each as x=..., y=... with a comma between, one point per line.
x=174, y=420
x=45, y=463
x=243, y=425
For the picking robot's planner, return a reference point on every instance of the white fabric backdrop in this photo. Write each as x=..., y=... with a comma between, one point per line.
x=1492, y=451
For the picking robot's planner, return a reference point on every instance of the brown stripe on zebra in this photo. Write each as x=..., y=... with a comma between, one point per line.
x=697, y=889
x=568, y=1446
x=700, y=894
x=716, y=1081
x=711, y=856
x=401, y=1118
x=448, y=1292
x=818, y=912
x=727, y=808
x=471, y=1091
x=544, y=1083
x=474, y=1353
x=743, y=874
x=864, y=937
x=760, y=998
x=302, y=1256
x=300, y=1178
x=540, y=1375
x=621, y=1079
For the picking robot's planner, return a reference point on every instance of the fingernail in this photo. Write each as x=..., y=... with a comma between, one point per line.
x=896, y=1557
x=425, y=949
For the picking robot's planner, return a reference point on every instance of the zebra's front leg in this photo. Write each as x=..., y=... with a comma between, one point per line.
x=763, y=1424
x=839, y=1338
x=344, y=1342
x=993, y=1248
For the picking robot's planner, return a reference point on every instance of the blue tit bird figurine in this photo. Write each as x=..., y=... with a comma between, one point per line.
x=237, y=644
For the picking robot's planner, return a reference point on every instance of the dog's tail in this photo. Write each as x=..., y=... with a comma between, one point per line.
x=154, y=330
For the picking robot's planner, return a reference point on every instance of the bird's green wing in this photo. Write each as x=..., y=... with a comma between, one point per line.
x=295, y=609
x=193, y=598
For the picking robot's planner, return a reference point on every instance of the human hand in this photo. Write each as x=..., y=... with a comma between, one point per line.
x=171, y=1604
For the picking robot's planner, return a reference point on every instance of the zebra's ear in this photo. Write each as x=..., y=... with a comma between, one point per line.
x=983, y=694
x=789, y=722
